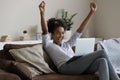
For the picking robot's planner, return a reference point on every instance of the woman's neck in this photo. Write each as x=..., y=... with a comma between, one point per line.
x=57, y=43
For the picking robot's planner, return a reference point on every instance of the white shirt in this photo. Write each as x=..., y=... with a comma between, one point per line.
x=59, y=54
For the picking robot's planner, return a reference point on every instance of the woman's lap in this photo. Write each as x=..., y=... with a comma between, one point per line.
x=81, y=64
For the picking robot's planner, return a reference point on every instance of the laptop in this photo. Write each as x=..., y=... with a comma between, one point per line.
x=84, y=46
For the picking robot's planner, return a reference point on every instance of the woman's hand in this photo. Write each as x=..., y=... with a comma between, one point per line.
x=93, y=6
x=42, y=7
x=43, y=21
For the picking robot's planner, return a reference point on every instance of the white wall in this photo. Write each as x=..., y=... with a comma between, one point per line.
x=19, y=15
x=107, y=19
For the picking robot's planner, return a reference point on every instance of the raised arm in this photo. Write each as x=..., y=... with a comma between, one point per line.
x=86, y=20
x=42, y=16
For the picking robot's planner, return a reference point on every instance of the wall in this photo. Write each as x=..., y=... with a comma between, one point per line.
x=107, y=19
x=19, y=15
x=16, y=16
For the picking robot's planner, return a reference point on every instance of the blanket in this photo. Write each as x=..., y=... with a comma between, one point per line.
x=112, y=48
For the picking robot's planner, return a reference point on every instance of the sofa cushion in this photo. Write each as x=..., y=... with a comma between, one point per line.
x=7, y=47
x=21, y=70
x=5, y=64
x=16, y=68
x=8, y=76
x=32, y=58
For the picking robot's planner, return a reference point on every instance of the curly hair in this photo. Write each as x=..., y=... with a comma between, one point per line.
x=54, y=23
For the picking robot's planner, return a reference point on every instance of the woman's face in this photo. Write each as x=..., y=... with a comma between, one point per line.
x=58, y=35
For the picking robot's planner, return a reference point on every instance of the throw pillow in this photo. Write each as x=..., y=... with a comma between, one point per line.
x=32, y=58
x=5, y=64
x=7, y=47
x=15, y=67
x=21, y=70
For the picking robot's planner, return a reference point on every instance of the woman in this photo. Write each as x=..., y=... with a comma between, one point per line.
x=62, y=54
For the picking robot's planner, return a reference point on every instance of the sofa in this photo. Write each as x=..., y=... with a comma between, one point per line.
x=10, y=69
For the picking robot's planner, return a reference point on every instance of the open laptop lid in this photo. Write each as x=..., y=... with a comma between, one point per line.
x=84, y=46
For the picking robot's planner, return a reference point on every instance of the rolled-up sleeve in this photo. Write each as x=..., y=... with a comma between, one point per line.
x=74, y=38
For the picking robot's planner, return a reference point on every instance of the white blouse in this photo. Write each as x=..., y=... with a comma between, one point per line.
x=60, y=54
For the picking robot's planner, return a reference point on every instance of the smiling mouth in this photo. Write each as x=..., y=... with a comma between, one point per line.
x=59, y=39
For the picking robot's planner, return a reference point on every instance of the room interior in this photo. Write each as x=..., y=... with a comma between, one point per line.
x=22, y=17
x=19, y=15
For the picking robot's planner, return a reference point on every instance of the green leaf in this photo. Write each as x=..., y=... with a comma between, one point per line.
x=67, y=20
x=73, y=16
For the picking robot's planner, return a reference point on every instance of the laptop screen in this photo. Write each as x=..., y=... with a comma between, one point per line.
x=84, y=46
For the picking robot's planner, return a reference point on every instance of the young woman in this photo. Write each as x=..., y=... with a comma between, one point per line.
x=62, y=54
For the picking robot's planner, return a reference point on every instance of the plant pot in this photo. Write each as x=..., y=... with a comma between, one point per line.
x=67, y=35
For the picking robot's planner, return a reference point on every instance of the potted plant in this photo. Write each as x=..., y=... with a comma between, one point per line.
x=68, y=18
